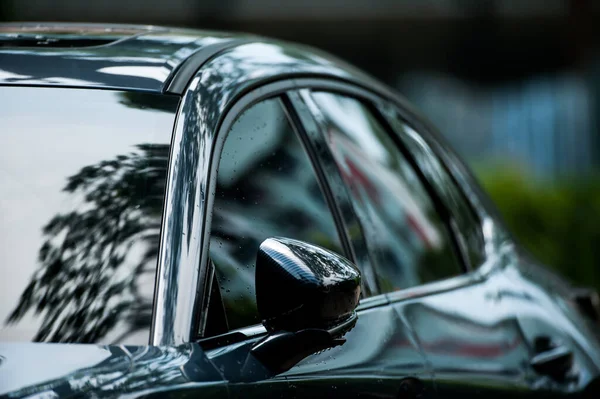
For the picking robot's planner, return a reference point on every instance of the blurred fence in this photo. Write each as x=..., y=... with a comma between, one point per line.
x=545, y=124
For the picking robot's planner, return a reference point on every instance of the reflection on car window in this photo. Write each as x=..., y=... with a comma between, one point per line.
x=465, y=218
x=407, y=240
x=266, y=187
x=83, y=175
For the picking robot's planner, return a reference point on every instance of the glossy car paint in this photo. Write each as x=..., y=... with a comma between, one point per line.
x=66, y=370
x=124, y=57
x=480, y=346
x=380, y=359
x=300, y=285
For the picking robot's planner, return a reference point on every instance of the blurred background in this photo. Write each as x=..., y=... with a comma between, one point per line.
x=513, y=85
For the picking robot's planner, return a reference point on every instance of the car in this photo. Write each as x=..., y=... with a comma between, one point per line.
x=189, y=213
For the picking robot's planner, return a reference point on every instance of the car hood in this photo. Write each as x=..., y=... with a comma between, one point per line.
x=65, y=370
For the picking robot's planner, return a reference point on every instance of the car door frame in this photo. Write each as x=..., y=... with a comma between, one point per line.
x=291, y=94
x=335, y=199
x=230, y=349
x=181, y=290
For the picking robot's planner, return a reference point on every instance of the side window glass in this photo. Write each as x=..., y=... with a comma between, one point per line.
x=408, y=241
x=266, y=187
x=465, y=219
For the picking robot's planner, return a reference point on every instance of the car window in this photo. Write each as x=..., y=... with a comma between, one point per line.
x=406, y=237
x=83, y=177
x=266, y=187
x=466, y=221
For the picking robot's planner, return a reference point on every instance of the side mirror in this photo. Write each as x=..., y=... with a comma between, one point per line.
x=306, y=297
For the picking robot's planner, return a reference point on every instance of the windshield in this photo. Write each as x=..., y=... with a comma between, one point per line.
x=83, y=178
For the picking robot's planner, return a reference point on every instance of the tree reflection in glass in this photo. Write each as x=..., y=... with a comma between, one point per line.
x=88, y=279
x=96, y=255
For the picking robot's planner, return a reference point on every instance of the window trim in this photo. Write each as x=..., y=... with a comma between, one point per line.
x=310, y=150
x=256, y=331
x=301, y=102
x=393, y=117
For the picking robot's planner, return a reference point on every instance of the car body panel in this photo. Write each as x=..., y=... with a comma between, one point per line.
x=472, y=344
x=67, y=370
x=379, y=360
x=127, y=57
x=481, y=340
x=478, y=331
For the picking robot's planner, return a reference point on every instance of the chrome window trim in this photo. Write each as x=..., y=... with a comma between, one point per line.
x=394, y=120
x=205, y=110
x=303, y=107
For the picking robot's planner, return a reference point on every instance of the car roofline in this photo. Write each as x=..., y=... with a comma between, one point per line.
x=115, y=57
x=136, y=70
x=136, y=66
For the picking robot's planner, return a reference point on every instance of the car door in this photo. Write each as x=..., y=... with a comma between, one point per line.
x=269, y=182
x=427, y=251
x=542, y=350
x=83, y=174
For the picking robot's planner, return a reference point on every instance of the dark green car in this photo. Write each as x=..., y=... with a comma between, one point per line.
x=200, y=214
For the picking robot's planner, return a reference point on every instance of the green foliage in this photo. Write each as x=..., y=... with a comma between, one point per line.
x=558, y=222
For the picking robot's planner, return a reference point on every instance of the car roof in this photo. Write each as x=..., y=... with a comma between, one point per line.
x=98, y=55
x=134, y=57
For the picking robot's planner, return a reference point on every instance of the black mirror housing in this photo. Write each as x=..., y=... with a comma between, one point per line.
x=306, y=297
x=303, y=286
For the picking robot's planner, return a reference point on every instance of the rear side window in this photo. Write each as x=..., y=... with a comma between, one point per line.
x=83, y=177
x=406, y=237
x=266, y=187
x=465, y=219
